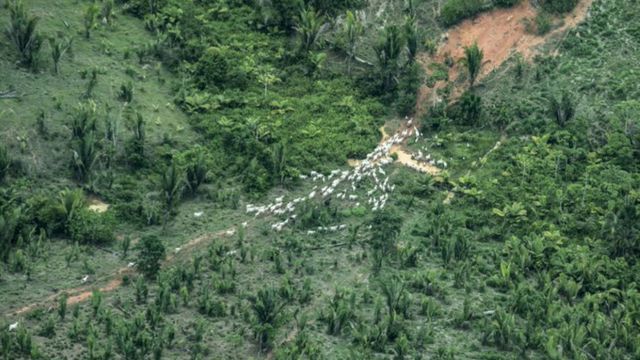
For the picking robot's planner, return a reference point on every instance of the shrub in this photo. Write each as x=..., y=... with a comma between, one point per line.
x=562, y=109
x=558, y=6
x=212, y=69
x=88, y=227
x=454, y=11
x=267, y=308
x=5, y=162
x=152, y=251
x=23, y=35
x=505, y=3
x=89, y=20
x=469, y=108
x=58, y=49
x=126, y=92
x=543, y=23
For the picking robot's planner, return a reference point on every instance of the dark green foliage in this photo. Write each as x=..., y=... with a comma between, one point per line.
x=352, y=31
x=412, y=38
x=62, y=306
x=212, y=70
x=171, y=184
x=621, y=229
x=93, y=81
x=84, y=157
x=506, y=3
x=23, y=35
x=136, y=144
x=469, y=108
x=340, y=313
x=543, y=23
x=267, y=309
x=151, y=252
x=559, y=6
x=10, y=220
x=563, y=109
x=388, y=50
x=5, y=163
x=88, y=227
x=454, y=11
x=126, y=92
x=385, y=228
x=279, y=160
x=473, y=57
x=310, y=28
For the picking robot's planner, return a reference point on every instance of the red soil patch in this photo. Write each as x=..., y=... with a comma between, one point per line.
x=500, y=33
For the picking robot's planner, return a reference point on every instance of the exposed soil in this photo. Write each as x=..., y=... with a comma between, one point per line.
x=83, y=293
x=500, y=33
x=97, y=205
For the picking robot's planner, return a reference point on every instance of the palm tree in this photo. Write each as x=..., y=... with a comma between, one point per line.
x=388, y=51
x=197, y=172
x=280, y=161
x=413, y=38
x=85, y=156
x=89, y=19
x=171, y=186
x=84, y=120
x=564, y=109
x=58, y=49
x=267, y=308
x=472, y=60
x=310, y=28
x=353, y=29
x=23, y=35
x=70, y=201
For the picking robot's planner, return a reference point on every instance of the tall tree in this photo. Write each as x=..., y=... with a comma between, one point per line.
x=310, y=28
x=472, y=60
x=388, y=50
x=413, y=38
x=171, y=186
x=353, y=29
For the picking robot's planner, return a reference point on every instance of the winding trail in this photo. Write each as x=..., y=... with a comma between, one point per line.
x=114, y=280
x=500, y=33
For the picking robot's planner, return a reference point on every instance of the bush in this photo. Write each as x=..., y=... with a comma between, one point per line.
x=505, y=3
x=212, y=69
x=5, y=162
x=469, y=108
x=543, y=23
x=455, y=11
x=22, y=33
x=88, y=227
x=152, y=251
x=559, y=6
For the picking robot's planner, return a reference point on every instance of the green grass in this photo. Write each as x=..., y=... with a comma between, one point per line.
x=57, y=95
x=531, y=242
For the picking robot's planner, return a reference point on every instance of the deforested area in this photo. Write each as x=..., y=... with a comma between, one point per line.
x=312, y=179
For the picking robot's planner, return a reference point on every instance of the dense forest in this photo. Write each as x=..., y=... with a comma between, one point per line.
x=314, y=179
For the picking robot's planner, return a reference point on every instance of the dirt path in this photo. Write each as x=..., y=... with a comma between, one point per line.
x=83, y=293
